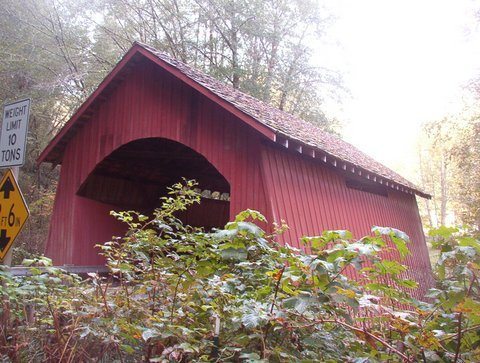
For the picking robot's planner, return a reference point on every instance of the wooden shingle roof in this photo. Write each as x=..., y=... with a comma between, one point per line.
x=285, y=127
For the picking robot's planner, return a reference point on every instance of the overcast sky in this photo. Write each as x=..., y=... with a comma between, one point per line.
x=404, y=62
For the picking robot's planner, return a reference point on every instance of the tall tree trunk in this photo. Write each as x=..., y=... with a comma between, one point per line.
x=443, y=190
x=423, y=177
x=235, y=67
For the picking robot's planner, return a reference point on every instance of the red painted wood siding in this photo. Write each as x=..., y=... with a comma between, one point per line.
x=281, y=184
x=312, y=198
x=148, y=103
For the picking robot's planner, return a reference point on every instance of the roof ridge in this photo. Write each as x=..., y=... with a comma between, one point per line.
x=258, y=114
x=278, y=120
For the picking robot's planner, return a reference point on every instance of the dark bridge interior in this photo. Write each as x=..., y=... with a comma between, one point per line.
x=136, y=176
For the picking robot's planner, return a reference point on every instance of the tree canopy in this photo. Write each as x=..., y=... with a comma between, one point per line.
x=56, y=52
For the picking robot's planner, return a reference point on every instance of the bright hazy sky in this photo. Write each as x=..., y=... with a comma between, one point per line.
x=405, y=63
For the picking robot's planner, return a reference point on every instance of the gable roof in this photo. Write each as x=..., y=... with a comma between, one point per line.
x=277, y=125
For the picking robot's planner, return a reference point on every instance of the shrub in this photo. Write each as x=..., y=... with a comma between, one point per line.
x=177, y=293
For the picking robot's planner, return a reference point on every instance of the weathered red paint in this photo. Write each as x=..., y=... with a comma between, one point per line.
x=148, y=103
x=313, y=198
x=152, y=102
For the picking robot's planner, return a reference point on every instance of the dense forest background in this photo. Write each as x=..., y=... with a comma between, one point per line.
x=57, y=51
x=449, y=166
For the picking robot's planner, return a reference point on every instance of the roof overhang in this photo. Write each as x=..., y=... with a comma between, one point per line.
x=342, y=165
x=54, y=151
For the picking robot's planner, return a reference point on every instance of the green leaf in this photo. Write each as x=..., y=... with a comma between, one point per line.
x=331, y=236
x=205, y=268
x=251, y=320
x=300, y=302
x=410, y=284
x=186, y=347
x=250, y=228
x=286, y=288
x=398, y=238
x=225, y=234
x=434, y=293
x=401, y=246
x=316, y=242
x=264, y=291
x=250, y=213
x=469, y=242
x=363, y=249
x=35, y=271
x=250, y=356
x=127, y=349
x=443, y=231
x=28, y=262
x=149, y=333
x=254, y=314
x=322, y=266
x=441, y=271
x=234, y=254
x=386, y=267
x=390, y=232
x=454, y=297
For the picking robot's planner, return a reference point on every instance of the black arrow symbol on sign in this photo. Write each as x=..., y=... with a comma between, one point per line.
x=7, y=187
x=3, y=239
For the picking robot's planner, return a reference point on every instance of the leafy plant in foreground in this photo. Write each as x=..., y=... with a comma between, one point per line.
x=171, y=284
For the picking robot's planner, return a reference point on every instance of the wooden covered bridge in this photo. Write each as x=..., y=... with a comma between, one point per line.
x=154, y=120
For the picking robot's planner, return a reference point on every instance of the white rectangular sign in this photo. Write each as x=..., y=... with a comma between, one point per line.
x=13, y=137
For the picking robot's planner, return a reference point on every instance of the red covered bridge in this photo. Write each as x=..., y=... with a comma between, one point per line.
x=154, y=120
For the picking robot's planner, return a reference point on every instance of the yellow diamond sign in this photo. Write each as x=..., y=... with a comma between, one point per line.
x=13, y=212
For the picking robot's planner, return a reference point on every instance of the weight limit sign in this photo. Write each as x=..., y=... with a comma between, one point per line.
x=13, y=136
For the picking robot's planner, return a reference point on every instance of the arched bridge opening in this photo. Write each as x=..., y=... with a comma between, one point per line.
x=136, y=175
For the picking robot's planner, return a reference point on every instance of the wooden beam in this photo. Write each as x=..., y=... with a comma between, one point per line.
x=310, y=151
x=281, y=140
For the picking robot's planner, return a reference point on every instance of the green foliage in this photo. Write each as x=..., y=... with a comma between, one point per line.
x=454, y=317
x=449, y=166
x=259, y=47
x=465, y=160
x=171, y=284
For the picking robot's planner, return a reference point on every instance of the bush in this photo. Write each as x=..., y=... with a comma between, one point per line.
x=177, y=293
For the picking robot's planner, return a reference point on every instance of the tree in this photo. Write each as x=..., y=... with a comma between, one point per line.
x=449, y=168
x=57, y=51
x=435, y=169
x=45, y=54
x=466, y=156
x=260, y=47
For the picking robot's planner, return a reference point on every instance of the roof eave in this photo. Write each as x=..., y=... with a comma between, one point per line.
x=347, y=166
x=47, y=154
x=53, y=153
